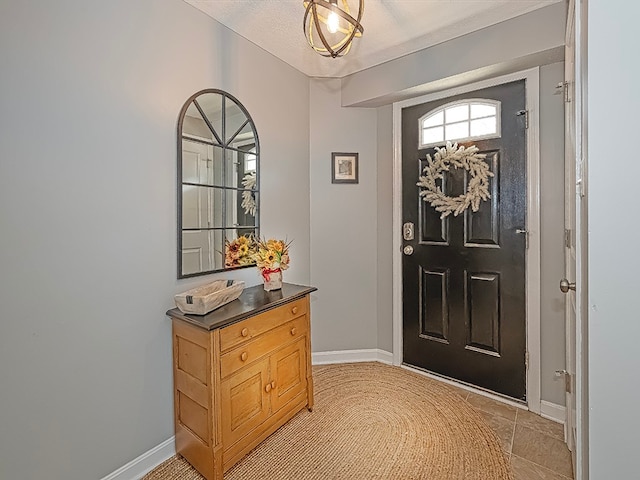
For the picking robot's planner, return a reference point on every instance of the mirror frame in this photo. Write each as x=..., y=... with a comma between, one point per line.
x=183, y=112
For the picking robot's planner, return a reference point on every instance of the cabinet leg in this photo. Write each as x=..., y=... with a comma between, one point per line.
x=310, y=391
x=217, y=463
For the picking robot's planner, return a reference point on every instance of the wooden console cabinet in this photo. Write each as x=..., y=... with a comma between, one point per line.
x=239, y=374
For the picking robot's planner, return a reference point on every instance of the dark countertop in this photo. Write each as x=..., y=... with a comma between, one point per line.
x=252, y=301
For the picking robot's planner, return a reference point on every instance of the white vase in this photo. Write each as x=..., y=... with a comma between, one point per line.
x=272, y=280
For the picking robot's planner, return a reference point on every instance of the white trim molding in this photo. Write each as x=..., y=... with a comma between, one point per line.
x=138, y=467
x=532, y=80
x=352, y=356
x=553, y=411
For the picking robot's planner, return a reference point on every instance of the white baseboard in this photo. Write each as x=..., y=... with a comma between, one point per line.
x=352, y=356
x=138, y=467
x=553, y=411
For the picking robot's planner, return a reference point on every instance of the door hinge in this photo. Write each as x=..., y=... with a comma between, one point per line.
x=567, y=238
x=579, y=178
x=567, y=379
x=524, y=232
x=526, y=360
x=525, y=114
x=562, y=88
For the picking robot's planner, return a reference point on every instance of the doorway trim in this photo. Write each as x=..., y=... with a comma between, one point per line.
x=532, y=256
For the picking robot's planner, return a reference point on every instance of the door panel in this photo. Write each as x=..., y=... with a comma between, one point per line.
x=464, y=310
x=197, y=209
x=482, y=298
x=481, y=228
x=289, y=373
x=434, y=318
x=245, y=401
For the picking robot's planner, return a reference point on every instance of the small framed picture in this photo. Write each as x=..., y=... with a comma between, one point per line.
x=344, y=167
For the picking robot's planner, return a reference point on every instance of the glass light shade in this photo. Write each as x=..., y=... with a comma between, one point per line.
x=329, y=26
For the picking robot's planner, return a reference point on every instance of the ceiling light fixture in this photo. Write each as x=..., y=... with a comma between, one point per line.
x=329, y=27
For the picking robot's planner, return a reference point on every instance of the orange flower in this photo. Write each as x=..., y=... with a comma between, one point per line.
x=272, y=254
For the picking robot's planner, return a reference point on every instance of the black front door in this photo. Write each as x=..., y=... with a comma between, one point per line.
x=464, y=313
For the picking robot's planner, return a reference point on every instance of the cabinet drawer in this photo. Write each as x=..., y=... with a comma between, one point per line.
x=262, y=345
x=243, y=331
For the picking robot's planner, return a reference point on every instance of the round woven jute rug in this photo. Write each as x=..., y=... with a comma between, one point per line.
x=371, y=421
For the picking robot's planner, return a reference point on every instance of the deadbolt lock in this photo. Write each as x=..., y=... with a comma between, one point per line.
x=407, y=231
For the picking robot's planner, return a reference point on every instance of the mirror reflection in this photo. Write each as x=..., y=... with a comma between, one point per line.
x=218, y=172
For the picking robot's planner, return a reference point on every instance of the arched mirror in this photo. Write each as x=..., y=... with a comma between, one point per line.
x=218, y=180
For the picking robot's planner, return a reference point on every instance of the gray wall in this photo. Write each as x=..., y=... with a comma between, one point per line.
x=89, y=100
x=613, y=282
x=384, y=296
x=343, y=224
x=350, y=225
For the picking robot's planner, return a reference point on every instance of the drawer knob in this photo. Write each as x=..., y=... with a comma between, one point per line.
x=293, y=331
x=294, y=310
x=267, y=388
x=244, y=332
x=273, y=384
x=244, y=356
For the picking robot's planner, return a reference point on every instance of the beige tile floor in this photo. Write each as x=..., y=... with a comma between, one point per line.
x=534, y=445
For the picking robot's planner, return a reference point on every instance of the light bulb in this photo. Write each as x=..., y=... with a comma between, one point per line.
x=333, y=22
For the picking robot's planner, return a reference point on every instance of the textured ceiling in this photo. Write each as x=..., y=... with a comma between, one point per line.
x=392, y=28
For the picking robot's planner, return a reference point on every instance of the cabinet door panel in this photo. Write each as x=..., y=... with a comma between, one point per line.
x=289, y=371
x=245, y=402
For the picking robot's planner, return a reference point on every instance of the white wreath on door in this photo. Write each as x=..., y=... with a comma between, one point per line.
x=460, y=157
x=249, y=196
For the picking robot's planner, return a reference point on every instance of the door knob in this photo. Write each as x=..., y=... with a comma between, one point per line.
x=565, y=286
x=408, y=250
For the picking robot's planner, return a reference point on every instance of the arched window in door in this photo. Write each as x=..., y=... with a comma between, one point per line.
x=470, y=119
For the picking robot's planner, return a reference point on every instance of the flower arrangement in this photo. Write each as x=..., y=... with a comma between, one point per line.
x=272, y=256
x=240, y=251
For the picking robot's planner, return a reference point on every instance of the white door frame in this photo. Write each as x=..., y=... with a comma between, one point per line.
x=572, y=209
x=581, y=469
x=532, y=258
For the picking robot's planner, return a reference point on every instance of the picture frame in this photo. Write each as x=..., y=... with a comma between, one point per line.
x=344, y=167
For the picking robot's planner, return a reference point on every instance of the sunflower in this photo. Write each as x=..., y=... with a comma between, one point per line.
x=272, y=254
x=239, y=251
